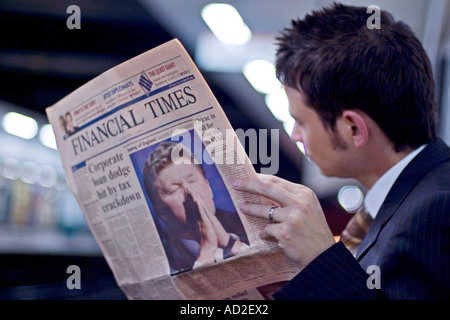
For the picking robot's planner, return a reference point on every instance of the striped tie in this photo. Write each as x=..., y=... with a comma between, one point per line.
x=356, y=229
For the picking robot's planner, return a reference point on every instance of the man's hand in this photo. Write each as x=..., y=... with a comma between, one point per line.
x=299, y=224
x=208, y=242
x=221, y=234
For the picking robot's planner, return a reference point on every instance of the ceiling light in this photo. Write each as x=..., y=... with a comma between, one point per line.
x=30, y=172
x=48, y=177
x=350, y=198
x=47, y=136
x=278, y=104
x=12, y=169
x=261, y=75
x=19, y=125
x=226, y=23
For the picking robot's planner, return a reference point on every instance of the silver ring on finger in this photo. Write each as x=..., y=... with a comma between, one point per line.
x=271, y=211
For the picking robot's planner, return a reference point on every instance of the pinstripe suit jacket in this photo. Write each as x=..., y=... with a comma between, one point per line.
x=409, y=241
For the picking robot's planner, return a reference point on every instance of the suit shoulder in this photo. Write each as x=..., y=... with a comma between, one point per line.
x=429, y=203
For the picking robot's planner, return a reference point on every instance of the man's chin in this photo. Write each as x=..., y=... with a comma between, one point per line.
x=323, y=171
x=333, y=174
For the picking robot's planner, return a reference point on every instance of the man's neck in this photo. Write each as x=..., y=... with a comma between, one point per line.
x=378, y=163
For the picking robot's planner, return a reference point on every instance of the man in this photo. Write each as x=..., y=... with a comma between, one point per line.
x=194, y=232
x=364, y=107
x=70, y=128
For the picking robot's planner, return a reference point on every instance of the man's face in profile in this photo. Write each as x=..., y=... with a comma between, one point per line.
x=176, y=181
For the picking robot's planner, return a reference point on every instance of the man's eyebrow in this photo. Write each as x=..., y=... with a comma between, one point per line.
x=189, y=175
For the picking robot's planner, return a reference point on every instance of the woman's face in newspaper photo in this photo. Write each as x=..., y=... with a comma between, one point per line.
x=178, y=182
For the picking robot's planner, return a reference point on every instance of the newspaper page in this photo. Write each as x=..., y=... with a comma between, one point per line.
x=151, y=158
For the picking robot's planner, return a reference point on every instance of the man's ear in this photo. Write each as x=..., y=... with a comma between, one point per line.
x=357, y=127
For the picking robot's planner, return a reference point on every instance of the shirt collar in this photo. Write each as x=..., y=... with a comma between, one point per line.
x=377, y=194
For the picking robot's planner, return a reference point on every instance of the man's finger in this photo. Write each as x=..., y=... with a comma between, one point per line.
x=262, y=211
x=268, y=189
x=285, y=184
x=270, y=232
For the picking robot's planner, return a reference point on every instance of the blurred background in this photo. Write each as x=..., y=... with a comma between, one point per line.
x=42, y=230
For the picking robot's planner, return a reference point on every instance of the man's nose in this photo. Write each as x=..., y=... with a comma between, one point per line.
x=186, y=189
x=296, y=134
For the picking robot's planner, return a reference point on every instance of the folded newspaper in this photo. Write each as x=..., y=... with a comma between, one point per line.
x=151, y=158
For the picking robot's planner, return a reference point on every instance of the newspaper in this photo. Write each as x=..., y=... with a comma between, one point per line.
x=113, y=134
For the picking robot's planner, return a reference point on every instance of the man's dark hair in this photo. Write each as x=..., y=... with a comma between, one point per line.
x=159, y=159
x=338, y=64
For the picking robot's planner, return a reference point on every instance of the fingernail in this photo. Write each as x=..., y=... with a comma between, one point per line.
x=242, y=206
x=237, y=183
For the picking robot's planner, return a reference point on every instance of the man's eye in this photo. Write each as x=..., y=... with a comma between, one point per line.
x=172, y=190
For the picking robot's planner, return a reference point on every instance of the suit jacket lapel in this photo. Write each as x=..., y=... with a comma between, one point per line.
x=435, y=153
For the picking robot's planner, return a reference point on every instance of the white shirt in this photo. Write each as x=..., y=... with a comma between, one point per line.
x=377, y=194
